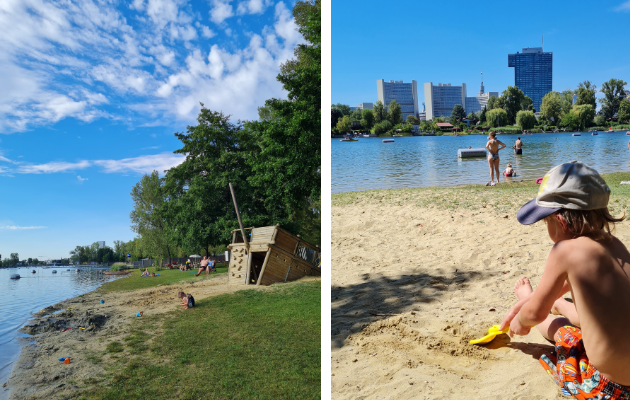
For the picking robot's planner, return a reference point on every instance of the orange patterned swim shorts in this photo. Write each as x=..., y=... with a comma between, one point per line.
x=573, y=372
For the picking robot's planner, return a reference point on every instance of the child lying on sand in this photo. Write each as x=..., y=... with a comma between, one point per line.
x=188, y=300
x=592, y=349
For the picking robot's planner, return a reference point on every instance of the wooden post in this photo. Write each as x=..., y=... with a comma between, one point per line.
x=262, y=271
x=238, y=215
x=249, y=267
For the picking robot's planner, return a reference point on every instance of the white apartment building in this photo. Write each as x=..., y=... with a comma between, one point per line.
x=405, y=94
x=441, y=98
x=101, y=244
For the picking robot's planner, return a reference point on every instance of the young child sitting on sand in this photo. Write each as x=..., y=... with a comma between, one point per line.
x=592, y=351
x=188, y=300
x=509, y=171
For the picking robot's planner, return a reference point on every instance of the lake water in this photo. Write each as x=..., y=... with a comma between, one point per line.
x=20, y=298
x=432, y=160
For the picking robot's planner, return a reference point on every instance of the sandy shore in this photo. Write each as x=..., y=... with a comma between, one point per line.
x=39, y=374
x=412, y=284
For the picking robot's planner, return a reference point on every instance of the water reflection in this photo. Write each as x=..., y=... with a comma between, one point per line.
x=432, y=161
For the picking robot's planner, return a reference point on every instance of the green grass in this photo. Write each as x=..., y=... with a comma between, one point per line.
x=114, y=347
x=250, y=344
x=167, y=277
x=503, y=198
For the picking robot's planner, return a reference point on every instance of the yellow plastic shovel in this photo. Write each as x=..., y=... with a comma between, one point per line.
x=492, y=333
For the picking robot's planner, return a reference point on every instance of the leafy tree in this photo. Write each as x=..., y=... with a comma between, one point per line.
x=586, y=94
x=458, y=114
x=379, y=112
x=472, y=118
x=148, y=197
x=624, y=110
x=525, y=119
x=585, y=114
x=599, y=120
x=570, y=121
x=343, y=108
x=513, y=99
x=335, y=115
x=527, y=104
x=367, y=120
x=412, y=120
x=356, y=115
x=384, y=127
x=394, y=113
x=551, y=107
x=344, y=125
x=482, y=115
x=265, y=113
x=14, y=259
x=566, y=101
x=613, y=93
x=491, y=103
x=496, y=117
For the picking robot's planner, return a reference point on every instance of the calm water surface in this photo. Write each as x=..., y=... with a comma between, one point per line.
x=432, y=160
x=20, y=298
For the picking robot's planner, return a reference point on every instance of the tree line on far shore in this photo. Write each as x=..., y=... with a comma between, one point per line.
x=511, y=108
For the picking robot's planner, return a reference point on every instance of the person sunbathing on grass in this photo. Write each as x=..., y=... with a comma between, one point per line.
x=203, y=265
x=146, y=272
x=188, y=300
x=592, y=355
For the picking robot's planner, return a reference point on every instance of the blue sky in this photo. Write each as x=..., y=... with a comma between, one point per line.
x=449, y=42
x=92, y=92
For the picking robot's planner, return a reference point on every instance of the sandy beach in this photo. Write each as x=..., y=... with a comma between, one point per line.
x=416, y=274
x=39, y=374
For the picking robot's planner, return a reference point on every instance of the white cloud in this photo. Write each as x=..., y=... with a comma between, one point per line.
x=220, y=11
x=142, y=164
x=253, y=6
x=15, y=227
x=625, y=7
x=81, y=179
x=207, y=32
x=52, y=167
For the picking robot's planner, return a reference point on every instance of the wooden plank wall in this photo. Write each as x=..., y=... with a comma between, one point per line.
x=263, y=235
x=278, y=265
x=238, y=265
x=286, y=242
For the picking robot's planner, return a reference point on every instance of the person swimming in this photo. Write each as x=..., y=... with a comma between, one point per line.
x=509, y=171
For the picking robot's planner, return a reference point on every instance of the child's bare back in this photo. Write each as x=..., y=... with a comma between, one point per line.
x=591, y=338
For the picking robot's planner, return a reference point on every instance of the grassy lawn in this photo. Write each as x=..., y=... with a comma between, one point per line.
x=250, y=344
x=167, y=277
x=505, y=197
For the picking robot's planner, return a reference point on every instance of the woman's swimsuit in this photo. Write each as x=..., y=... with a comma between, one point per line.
x=494, y=156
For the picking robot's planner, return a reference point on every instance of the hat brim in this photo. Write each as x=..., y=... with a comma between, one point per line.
x=532, y=212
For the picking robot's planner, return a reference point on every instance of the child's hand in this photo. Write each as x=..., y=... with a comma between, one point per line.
x=516, y=328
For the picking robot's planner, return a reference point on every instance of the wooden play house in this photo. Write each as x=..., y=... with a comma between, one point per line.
x=268, y=255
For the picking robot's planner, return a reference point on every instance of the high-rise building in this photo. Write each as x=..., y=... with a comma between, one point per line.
x=101, y=244
x=405, y=94
x=533, y=72
x=477, y=103
x=441, y=99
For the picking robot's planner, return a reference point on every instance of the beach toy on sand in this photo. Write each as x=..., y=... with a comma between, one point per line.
x=63, y=358
x=66, y=361
x=492, y=333
x=102, y=301
x=67, y=329
x=137, y=314
x=81, y=327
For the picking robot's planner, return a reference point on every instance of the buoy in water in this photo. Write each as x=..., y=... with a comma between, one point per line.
x=54, y=271
x=15, y=276
x=33, y=272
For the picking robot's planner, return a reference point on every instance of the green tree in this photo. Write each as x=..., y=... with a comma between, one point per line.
x=624, y=111
x=491, y=103
x=356, y=115
x=586, y=94
x=599, y=120
x=570, y=121
x=457, y=114
x=496, y=117
x=344, y=125
x=527, y=104
x=513, y=99
x=379, y=112
x=551, y=107
x=367, y=120
x=613, y=91
x=525, y=119
x=482, y=115
x=472, y=118
x=14, y=259
x=394, y=113
x=566, y=101
x=265, y=113
x=585, y=114
x=412, y=120
x=148, y=197
x=343, y=108
x=335, y=115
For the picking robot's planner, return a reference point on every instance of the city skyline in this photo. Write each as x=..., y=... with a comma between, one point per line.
x=454, y=53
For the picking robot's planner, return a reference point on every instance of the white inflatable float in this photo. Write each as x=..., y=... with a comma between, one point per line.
x=467, y=153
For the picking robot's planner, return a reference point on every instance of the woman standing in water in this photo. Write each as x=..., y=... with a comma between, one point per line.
x=493, y=146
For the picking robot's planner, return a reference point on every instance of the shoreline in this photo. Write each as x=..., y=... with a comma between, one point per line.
x=37, y=374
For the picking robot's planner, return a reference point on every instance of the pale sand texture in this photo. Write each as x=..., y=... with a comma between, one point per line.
x=444, y=283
